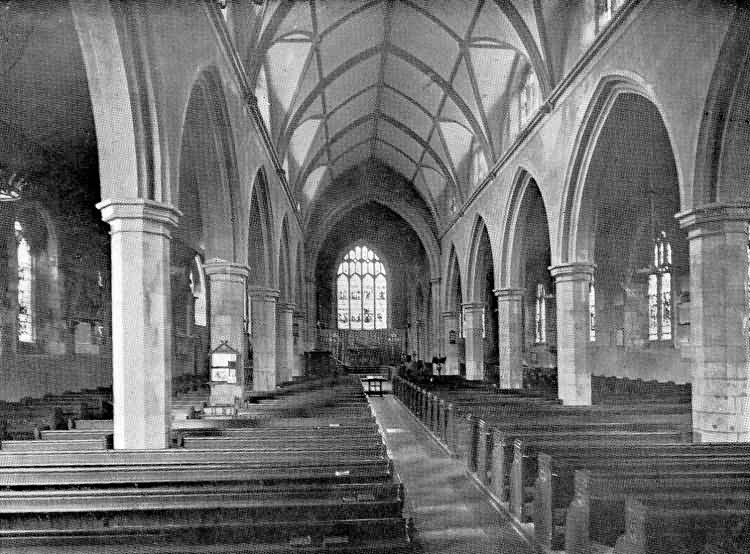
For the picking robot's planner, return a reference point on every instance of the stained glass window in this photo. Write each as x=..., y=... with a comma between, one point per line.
x=541, y=314
x=592, y=311
x=660, y=290
x=198, y=290
x=25, y=287
x=361, y=291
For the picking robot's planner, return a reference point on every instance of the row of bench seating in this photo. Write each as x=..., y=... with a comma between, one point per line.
x=619, y=476
x=235, y=485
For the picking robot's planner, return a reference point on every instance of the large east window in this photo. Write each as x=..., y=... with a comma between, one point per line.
x=660, y=290
x=362, y=291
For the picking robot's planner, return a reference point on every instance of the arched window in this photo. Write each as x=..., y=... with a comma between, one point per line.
x=592, y=311
x=198, y=290
x=529, y=99
x=605, y=10
x=25, y=286
x=541, y=314
x=660, y=290
x=362, y=291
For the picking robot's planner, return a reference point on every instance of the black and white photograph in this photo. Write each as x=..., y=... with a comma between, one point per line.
x=374, y=276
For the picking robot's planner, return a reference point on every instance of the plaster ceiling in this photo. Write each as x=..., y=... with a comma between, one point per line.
x=419, y=85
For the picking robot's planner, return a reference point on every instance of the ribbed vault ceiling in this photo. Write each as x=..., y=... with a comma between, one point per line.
x=419, y=85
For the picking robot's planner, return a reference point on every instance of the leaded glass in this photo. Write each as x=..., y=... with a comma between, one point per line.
x=362, y=296
x=25, y=293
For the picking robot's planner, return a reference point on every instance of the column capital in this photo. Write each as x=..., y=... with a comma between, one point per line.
x=509, y=293
x=216, y=266
x=572, y=271
x=263, y=293
x=285, y=307
x=473, y=306
x=138, y=215
x=449, y=314
x=715, y=218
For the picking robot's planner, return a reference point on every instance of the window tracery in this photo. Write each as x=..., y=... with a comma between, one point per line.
x=362, y=291
x=660, y=290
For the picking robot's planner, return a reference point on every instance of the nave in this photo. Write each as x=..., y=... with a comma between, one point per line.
x=538, y=211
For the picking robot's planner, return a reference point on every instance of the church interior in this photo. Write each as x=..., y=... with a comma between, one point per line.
x=375, y=276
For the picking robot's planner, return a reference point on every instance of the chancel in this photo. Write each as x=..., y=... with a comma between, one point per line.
x=374, y=276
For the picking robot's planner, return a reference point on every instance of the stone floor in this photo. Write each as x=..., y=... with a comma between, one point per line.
x=450, y=513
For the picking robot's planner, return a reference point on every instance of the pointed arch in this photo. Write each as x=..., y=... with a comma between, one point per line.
x=453, y=291
x=284, y=272
x=480, y=257
x=574, y=233
x=207, y=157
x=510, y=271
x=260, y=234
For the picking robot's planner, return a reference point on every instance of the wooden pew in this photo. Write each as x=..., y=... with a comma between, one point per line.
x=680, y=524
x=602, y=490
x=79, y=444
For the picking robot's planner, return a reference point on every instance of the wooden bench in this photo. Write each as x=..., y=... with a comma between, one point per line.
x=678, y=525
x=78, y=444
x=601, y=490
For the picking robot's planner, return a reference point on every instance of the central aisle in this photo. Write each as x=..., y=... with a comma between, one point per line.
x=450, y=513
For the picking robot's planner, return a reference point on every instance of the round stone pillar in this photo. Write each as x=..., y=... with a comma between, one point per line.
x=450, y=338
x=226, y=320
x=572, y=299
x=510, y=337
x=718, y=242
x=284, y=341
x=141, y=320
x=473, y=325
x=263, y=336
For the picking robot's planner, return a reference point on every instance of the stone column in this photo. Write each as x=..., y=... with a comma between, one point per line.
x=473, y=313
x=435, y=342
x=263, y=336
x=284, y=341
x=510, y=337
x=226, y=320
x=8, y=286
x=141, y=320
x=450, y=324
x=298, y=328
x=717, y=234
x=572, y=300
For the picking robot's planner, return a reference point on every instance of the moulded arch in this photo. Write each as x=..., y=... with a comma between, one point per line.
x=284, y=271
x=401, y=208
x=453, y=282
x=120, y=145
x=207, y=142
x=573, y=239
x=260, y=233
x=476, y=272
x=515, y=226
x=723, y=141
